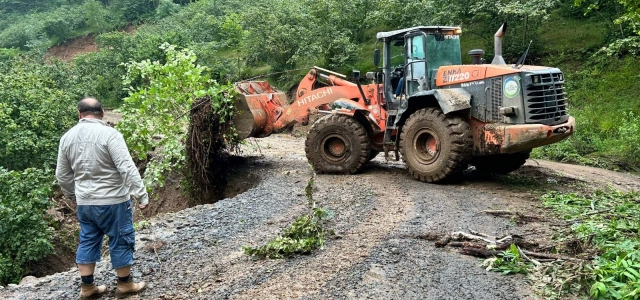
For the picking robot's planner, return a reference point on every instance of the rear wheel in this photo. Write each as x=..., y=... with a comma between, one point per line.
x=501, y=163
x=337, y=144
x=434, y=146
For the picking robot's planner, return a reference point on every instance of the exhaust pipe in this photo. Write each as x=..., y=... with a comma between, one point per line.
x=497, y=40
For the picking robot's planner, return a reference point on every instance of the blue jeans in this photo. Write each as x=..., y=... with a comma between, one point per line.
x=115, y=221
x=399, y=88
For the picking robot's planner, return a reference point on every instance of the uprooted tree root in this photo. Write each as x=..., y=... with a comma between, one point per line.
x=207, y=157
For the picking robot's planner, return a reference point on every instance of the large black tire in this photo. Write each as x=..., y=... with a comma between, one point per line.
x=435, y=147
x=501, y=163
x=337, y=144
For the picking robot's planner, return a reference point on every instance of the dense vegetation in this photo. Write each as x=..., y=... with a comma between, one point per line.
x=595, y=43
x=606, y=221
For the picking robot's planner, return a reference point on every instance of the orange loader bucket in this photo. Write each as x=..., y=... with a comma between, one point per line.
x=258, y=106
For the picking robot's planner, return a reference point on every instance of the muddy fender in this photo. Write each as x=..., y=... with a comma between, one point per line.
x=347, y=105
x=452, y=100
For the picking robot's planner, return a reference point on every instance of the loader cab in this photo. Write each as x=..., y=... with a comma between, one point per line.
x=412, y=56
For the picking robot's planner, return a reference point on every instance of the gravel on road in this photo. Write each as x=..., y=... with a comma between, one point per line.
x=377, y=253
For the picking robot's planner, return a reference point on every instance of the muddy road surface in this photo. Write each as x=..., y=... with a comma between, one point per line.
x=379, y=252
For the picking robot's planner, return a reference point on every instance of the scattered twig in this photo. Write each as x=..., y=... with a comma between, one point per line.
x=504, y=239
x=597, y=212
x=159, y=262
x=258, y=145
x=458, y=235
x=463, y=244
x=443, y=241
x=429, y=236
x=535, y=262
x=483, y=235
x=481, y=251
x=498, y=212
x=565, y=281
x=512, y=213
x=546, y=255
x=64, y=201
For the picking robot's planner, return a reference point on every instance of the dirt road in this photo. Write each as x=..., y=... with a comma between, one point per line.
x=378, y=253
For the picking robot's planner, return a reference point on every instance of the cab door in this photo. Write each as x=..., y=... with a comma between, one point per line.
x=416, y=79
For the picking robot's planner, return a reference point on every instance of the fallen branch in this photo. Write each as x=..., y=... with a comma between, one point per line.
x=597, y=212
x=482, y=252
x=504, y=239
x=458, y=235
x=548, y=255
x=429, y=236
x=501, y=213
x=443, y=241
x=535, y=262
x=466, y=244
x=483, y=235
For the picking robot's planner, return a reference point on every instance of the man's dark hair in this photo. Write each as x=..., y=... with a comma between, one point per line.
x=90, y=106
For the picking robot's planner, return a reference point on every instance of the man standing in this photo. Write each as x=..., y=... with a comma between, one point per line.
x=95, y=168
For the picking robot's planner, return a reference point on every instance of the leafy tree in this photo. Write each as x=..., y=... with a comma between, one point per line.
x=623, y=14
x=59, y=26
x=166, y=8
x=163, y=103
x=277, y=37
x=134, y=10
x=24, y=5
x=97, y=16
x=20, y=34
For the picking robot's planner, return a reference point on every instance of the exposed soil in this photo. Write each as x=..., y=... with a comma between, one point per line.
x=380, y=217
x=69, y=50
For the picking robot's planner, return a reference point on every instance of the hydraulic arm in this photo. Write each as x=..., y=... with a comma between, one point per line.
x=263, y=110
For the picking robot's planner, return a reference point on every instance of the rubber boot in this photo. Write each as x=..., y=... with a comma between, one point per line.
x=129, y=287
x=88, y=291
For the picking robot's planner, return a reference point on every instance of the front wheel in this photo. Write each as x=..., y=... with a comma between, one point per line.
x=337, y=144
x=435, y=146
x=501, y=163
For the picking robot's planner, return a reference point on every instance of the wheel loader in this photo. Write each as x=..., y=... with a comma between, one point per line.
x=422, y=105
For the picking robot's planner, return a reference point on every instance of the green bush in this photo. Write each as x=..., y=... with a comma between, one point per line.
x=134, y=10
x=20, y=34
x=166, y=8
x=98, y=18
x=8, y=54
x=34, y=113
x=24, y=230
x=59, y=27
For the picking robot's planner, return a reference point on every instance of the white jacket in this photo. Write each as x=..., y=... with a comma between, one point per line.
x=95, y=166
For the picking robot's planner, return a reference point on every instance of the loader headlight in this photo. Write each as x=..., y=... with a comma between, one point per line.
x=458, y=31
x=535, y=79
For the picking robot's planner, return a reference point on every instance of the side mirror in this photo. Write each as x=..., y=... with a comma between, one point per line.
x=376, y=57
